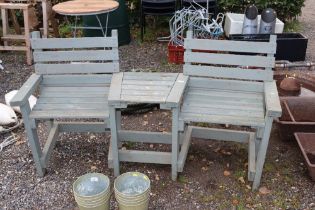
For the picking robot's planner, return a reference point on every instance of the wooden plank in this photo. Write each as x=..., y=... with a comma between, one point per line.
x=224, y=106
x=73, y=114
x=115, y=88
x=149, y=76
x=70, y=43
x=50, y=144
x=204, y=101
x=98, y=89
x=223, y=111
x=66, y=107
x=228, y=72
x=73, y=94
x=14, y=6
x=142, y=99
x=76, y=68
x=83, y=127
x=220, y=134
x=224, y=84
x=184, y=150
x=228, y=94
x=26, y=90
x=272, y=100
x=145, y=137
x=146, y=87
x=145, y=156
x=230, y=46
x=78, y=80
x=148, y=82
x=229, y=59
x=176, y=93
x=82, y=55
x=222, y=119
x=145, y=92
x=78, y=100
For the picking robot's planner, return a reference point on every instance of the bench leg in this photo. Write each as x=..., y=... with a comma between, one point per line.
x=175, y=142
x=114, y=140
x=33, y=139
x=258, y=137
x=262, y=152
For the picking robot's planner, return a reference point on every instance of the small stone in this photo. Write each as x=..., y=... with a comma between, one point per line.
x=157, y=178
x=264, y=191
x=235, y=202
x=145, y=123
x=93, y=168
x=226, y=173
x=151, y=146
x=248, y=187
x=241, y=179
x=204, y=168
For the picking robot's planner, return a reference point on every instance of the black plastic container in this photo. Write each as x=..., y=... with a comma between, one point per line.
x=290, y=46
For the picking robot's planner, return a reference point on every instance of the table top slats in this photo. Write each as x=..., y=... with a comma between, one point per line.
x=141, y=87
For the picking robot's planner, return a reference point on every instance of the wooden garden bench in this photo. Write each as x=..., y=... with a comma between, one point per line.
x=231, y=82
x=73, y=76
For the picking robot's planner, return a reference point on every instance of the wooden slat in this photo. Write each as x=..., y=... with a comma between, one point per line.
x=223, y=105
x=146, y=87
x=220, y=134
x=231, y=46
x=82, y=55
x=229, y=59
x=98, y=90
x=222, y=119
x=192, y=99
x=74, y=114
x=145, y=156
x=76, y=68
x=70, y=107
x=148, y=76
x=79, y=80
x=143, y=99
x=145, y=92
x=224, y=84
x=223, y=111
x=148, y=82
x=228, y=94
x=78, y=100
x=145, y=137
x=227, y=72
x=95, y=127
x=69, y=43
x=74, y=94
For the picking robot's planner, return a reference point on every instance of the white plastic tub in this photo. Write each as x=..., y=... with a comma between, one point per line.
x=234, y=24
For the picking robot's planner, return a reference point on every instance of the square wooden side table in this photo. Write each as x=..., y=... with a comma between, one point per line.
x=165, y=89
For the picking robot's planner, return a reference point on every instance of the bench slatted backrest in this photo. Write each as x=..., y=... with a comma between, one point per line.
x=88, y=55
x=229, y=59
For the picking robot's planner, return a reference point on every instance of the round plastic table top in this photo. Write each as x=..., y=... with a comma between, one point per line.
x=85, y=7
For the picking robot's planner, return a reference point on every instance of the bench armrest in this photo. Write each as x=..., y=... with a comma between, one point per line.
x=26, y=90
x=273, y=107
x=177, y=91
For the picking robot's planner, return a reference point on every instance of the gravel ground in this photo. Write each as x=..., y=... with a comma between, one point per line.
x=213, y=174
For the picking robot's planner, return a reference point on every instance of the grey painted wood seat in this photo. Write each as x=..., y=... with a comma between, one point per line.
x=231, y=82
x=73, y=76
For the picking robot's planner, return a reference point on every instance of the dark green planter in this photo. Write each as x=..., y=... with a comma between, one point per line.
x=117, y=19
